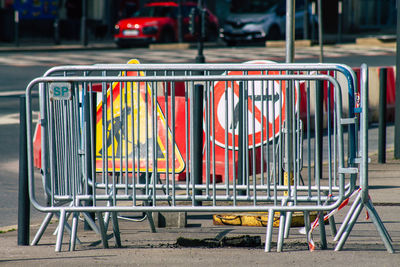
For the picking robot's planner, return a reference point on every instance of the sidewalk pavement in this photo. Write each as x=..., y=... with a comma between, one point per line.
x=140, y=247
x=362, y=39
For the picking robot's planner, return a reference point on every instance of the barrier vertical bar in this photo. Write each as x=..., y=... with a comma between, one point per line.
x=319, y=98
x=241, y=166
x=23, y=197
x=197, y=140
x=382, y=115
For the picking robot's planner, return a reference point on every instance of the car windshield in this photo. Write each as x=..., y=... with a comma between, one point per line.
x=155, y=11
x=252, y=6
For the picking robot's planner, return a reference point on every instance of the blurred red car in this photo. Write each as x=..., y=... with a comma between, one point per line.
x=157, y=22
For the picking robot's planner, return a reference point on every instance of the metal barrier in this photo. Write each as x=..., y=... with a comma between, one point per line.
x=136, y=144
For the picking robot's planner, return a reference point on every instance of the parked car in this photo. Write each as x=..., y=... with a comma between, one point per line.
x=266, y=21
x=157, y=22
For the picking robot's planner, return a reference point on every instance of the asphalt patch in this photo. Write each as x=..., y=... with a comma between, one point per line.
x=237, y=241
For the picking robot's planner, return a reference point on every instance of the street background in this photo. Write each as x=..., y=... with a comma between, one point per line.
x=364, y=247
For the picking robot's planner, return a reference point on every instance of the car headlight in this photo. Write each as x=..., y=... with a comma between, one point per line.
x=116, y=29
x=150, y=30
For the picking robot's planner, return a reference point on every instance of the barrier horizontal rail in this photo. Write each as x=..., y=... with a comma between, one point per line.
x=131, y=143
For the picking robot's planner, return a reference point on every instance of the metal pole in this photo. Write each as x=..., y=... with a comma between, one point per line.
x=320, y=37
x=319, y=98
x=289, y=107
x=56, y=27
x=340, y=11
x=197, y=139
x=382, y=115
x=23, y=196
x=179, y=18
x=313, y=21
x=16, y=27
x=200, y=38
x=84, y=38
x=397, y=111
x=88, y=112
x=290, y=31
x=306, y=20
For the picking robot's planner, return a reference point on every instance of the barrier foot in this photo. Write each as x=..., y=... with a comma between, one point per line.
x=347, y=218
x=349, y=227
x=73, y=231
x=66, y=226
x=281, y=232
x=373, y=210
x=60, y=233
x=42, y=228
x=387, y=240
x=102, y=229
x=270, y=227
x=116, y=232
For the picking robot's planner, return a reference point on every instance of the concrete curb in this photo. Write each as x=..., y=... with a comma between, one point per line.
x=376, y=41
x=297, y=43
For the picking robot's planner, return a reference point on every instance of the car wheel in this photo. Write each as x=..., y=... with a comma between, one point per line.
x=274, y=33
x=167, y=36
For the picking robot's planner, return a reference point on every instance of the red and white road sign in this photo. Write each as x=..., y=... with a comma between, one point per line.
x=266, y=103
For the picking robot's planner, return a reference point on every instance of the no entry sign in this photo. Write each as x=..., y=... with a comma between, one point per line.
x=265, y=107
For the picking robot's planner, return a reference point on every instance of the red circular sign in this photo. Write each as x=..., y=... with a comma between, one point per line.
x=265, y=109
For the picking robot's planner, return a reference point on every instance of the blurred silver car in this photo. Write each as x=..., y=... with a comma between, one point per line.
x=265, y=21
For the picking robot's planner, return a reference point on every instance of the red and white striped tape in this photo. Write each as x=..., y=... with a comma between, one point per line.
x=315, y=224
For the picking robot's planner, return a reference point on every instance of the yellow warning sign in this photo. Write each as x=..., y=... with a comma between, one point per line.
x=133, y=136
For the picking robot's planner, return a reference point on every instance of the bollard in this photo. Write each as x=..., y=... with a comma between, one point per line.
x=23, y=197
x=382, y=115
x=197, y=139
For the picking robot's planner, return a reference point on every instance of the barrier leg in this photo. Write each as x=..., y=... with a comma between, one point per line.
x=60, y=233
x=322, y=231
x=117, y=236
x=106, y=220
x=332, y=225
x=281, y=232
x=89, y=219
x=103, y=232
x=379, y=226
x=42, y=228
x=151, y=222
x=348, y=217
x=288, y=223
x=73, y=231
x=379, y=220
x=307, y=224
x=349, y=226
x=270, y=227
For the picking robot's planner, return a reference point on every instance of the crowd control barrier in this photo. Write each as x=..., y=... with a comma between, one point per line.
x=114, y=140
